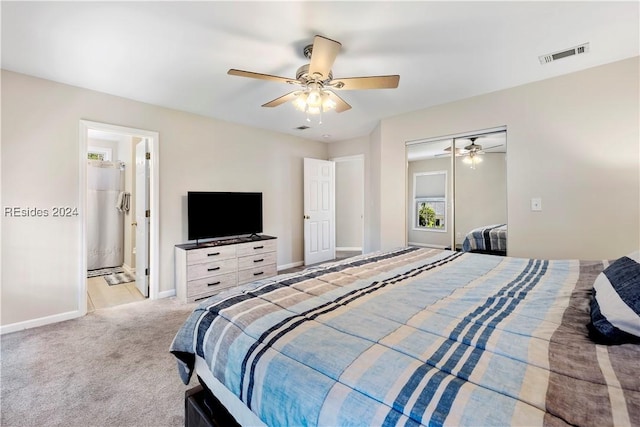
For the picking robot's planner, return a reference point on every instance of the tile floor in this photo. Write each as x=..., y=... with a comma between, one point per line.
x=101, y=295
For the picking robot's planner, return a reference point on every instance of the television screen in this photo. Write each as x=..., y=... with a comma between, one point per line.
x=222, y=214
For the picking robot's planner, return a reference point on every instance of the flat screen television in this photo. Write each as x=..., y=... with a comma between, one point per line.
x=223, y=214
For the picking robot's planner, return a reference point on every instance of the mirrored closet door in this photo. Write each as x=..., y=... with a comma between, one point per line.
x=458, y=202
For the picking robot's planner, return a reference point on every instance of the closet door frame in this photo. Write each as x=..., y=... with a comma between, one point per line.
x=452, y=180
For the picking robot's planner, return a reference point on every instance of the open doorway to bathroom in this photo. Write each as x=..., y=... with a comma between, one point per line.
x=117, y=229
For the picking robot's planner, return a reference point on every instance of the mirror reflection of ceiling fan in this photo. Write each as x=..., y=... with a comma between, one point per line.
x=471, y=149
x=470, y=152
x=317, y=85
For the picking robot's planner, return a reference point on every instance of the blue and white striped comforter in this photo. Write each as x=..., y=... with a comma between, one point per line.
x=491, y=239
x=416, y=337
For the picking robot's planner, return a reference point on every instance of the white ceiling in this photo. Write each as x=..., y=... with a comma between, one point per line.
x=176, y=54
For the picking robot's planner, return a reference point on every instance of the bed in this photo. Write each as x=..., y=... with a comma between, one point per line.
x=414, y=336
x=488, y=239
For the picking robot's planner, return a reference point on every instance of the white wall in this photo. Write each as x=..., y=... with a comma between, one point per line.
x=104, y=143
x=40, y=168
x=572, y=140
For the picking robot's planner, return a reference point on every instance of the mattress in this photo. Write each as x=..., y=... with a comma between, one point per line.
x=230, y=401
x=415, y=336
x=488, y=239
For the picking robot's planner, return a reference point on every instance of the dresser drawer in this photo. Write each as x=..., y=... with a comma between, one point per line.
x=254, y=261
x=215, y=268
x=249, y=275
x=214, y=253
x=258, y=247
x=205, y=270
x=211, y=285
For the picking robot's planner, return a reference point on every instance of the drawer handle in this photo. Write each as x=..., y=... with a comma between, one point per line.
x=258, y=260
x=258, y=274
x=258, y=247
x=213, y=284
x=213, y=269
x=214, y=254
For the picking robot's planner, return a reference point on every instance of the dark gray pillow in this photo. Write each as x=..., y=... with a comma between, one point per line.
x=615, y=306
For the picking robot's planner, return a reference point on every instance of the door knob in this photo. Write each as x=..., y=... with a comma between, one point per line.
x=134, y=224
x=307, y=217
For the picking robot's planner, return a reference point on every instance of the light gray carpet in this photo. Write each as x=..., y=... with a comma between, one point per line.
x=109, y=368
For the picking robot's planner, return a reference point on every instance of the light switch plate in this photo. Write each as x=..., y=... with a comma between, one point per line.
x=536, y=204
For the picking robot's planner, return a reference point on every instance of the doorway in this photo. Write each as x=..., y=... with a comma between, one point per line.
x=349, y=196
x=319, y=211
x=120, y=252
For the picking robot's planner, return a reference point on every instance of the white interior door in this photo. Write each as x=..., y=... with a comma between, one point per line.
x=319, y=211
x=142, y=219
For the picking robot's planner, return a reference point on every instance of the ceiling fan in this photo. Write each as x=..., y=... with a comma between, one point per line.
x=471, y=149
x=317, y=85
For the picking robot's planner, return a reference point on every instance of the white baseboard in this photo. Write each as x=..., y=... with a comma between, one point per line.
x=41, y=321
x=287, y=266
x=426, y=245
x=129, y=269
x=348, y=248
x=167, y=294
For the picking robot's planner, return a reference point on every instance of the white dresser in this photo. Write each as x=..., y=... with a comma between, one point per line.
x=206, y=269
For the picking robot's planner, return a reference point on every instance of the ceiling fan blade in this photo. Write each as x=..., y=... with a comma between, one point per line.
x=493, y=146
x=281, y=100
x=260, y=76
x=459, y=151
x=341, y=104
x=323, y=55
x=371, y=82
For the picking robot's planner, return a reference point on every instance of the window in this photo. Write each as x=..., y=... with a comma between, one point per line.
x=430, y=201
x=430, y=212
x=99, y=153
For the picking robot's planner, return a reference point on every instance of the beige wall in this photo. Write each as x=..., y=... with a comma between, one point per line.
x=572, y=140
x=40, y=168
x=349, y=193
x=481, y=193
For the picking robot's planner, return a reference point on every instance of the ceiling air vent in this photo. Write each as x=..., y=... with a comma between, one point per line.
x=303, y=127
x=545, y=59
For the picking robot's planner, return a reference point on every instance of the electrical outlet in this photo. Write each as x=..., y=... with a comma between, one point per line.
x=536, y=204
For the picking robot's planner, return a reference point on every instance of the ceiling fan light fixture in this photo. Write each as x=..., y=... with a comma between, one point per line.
x=314, y=101
x=472, y=160
x=300, y=102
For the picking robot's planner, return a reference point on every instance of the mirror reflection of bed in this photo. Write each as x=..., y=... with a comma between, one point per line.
x=475, y=191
